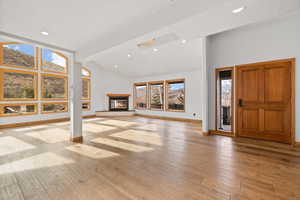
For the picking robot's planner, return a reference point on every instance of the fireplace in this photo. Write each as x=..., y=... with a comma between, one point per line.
x=118, y=102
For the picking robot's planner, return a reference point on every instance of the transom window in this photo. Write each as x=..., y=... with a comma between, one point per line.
x=54, y=107
x=18, y=109
x=18, y=55
x=53, y=61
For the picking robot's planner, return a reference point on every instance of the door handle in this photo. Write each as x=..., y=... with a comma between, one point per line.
x=241, y=102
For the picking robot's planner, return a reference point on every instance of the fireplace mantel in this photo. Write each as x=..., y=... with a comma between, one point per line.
x=117, y=95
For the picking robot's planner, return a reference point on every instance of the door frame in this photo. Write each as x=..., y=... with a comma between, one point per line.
x=293, y=63
x=220, y=132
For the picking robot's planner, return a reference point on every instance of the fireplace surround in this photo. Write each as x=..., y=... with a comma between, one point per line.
x=118, y=102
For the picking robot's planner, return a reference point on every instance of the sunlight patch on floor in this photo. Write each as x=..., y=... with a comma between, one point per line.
x=91, y=151
x=148, y=127
x=122, y=145
x=93, y=119
x=31, y=128
x=118, y=123
x=10, y=145
x=96, y=128
x=62, y=123
x=53, y=135
x=140, y=136
x=39, y=161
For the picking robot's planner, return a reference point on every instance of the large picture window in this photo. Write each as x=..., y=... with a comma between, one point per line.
x=156, y=95
x=18, y=109
x=53, y=61
x=54, y=87
x=23, y=78
x=175, y=95
x=18, y=55
x=18, y=85
x=140, y=96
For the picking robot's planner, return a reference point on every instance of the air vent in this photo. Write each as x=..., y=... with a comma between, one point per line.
x=164, y=39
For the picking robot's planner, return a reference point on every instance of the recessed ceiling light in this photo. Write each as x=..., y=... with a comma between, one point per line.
x=129, y=55
x=155, y=49
x=183, y=41
x=44, y=33
x=238, y=10
x=116, y=66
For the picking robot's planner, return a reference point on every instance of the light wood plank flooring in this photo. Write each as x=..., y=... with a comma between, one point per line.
x=139, y=159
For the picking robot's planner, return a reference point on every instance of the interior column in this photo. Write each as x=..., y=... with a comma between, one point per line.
x=75, y=103
x=204, y=88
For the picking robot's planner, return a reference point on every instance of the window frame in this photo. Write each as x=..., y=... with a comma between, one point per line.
x=150, y=95
x=135, y=92
x=40, y=53
x=87, y=100
x=52, y=112
x=36, y=56
x=66, y=97
x=2, y=114
x=35, y=74
x=167, y=82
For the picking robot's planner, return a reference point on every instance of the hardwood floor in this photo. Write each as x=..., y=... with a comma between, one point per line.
x=136, y=158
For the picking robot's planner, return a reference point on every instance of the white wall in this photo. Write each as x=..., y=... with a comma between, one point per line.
x=104, y=82
x=193, y=92
x=278, y=39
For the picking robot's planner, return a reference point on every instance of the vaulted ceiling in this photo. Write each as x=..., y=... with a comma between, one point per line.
x=106, y=31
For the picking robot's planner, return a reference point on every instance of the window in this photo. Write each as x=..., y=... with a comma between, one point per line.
x=18, y=109
x=18, y=55
x=140, y=96
x=85, y=72
x=54, y=61
x=86, y=106
x=54, y=107
x=86, y=85
x=224, y=99
x=175, y=95
x=86, y=88
x=157, y=95
x=18, y=85
x=54, y=87
x=24, y=82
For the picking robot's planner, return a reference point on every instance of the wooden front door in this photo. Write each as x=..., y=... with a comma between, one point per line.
x=264, y=100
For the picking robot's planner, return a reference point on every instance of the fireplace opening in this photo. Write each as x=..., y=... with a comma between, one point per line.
x=118, y=103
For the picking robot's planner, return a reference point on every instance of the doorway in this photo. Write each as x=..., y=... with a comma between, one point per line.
x=265, y=100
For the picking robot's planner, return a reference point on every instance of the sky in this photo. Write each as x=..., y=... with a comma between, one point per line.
x=175, y=86
x=48, y=55
x=24, y=48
